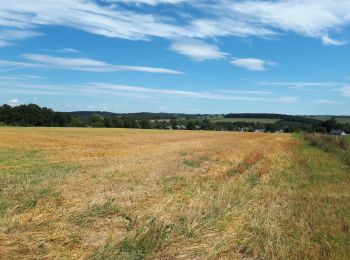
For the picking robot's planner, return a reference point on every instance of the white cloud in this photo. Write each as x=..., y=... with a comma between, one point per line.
x=198, y=50
x=288, y=99
x=300, y=84
x=344, y=91
x=251, y=64
x=46, y=61
x=223, y=18
x=8, y=36
x=107, y=20
x=148, y=2
x=93, y=89
x=67, y=50
x=21, y=77
x=310, y=18
x=14, y=65
x=329, y=41
x=209, y=20
x=162, y=108
x=13, y=102
x=137, y=92
x=325, y=101
x=4, y=43
x=249, y=92
x=113, y=20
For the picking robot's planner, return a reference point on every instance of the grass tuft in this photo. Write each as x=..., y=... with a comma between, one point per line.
x=192, y=163
x=96, y=212
x=147, y=240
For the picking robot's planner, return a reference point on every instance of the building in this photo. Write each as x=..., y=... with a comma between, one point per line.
x=279, y=132
x=337, y=132
x=180, y=127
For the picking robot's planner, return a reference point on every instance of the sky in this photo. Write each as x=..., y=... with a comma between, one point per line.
x=183, y=56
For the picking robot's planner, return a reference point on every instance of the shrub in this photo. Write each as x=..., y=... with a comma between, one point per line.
x=335, y=144
x=327, y=142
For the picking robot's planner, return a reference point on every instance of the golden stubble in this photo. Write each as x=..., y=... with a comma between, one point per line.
x=128, y=166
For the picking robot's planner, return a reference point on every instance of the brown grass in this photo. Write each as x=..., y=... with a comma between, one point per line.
x=133, y=194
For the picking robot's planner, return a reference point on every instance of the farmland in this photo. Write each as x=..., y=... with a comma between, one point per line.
x=247, y=120
x=340, y=119
x=132, y=194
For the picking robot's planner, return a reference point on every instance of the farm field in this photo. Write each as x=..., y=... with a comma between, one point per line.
x=248, y=120
x=84, y=193
x=342, y=120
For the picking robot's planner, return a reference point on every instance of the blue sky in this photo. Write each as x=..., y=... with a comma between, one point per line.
x=201, y=56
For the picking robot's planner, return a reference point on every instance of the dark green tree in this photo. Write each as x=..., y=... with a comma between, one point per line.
x=118, y=122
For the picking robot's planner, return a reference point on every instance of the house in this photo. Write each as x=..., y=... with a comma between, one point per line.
x=180, y=127
x=259, y=131
x=337, y=132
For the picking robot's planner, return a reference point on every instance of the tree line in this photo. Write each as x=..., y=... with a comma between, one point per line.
x=34, y=115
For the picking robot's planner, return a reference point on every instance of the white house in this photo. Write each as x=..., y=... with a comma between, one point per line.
x=337, y=132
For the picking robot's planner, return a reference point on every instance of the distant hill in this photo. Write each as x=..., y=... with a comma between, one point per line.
x=223, y=117
x=140, y=115
x=89, y=113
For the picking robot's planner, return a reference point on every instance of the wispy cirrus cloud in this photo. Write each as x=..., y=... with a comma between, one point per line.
x=145, y=91
x=329, y=41
x=103, y=88
x=147, y=2
x=300, y=85
x=249, y=92
x=107, y=20
x=10, y=36
x=309, y=18
x=82, y=64
x=21, y=77
x=210, y=19
x=65, y=50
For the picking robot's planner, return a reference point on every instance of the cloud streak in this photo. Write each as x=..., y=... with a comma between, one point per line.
x=197, y=50
x=300, y=85
x=329, y=41
x=81, y=64
x=309, y=18
x=251, y=64
x=211, y=19
x=344, y=91
x=101, y=88
x=326, y=102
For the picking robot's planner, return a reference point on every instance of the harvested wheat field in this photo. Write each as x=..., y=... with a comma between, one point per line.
x=149, y=194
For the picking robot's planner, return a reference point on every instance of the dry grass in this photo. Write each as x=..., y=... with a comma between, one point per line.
x=134, y=194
